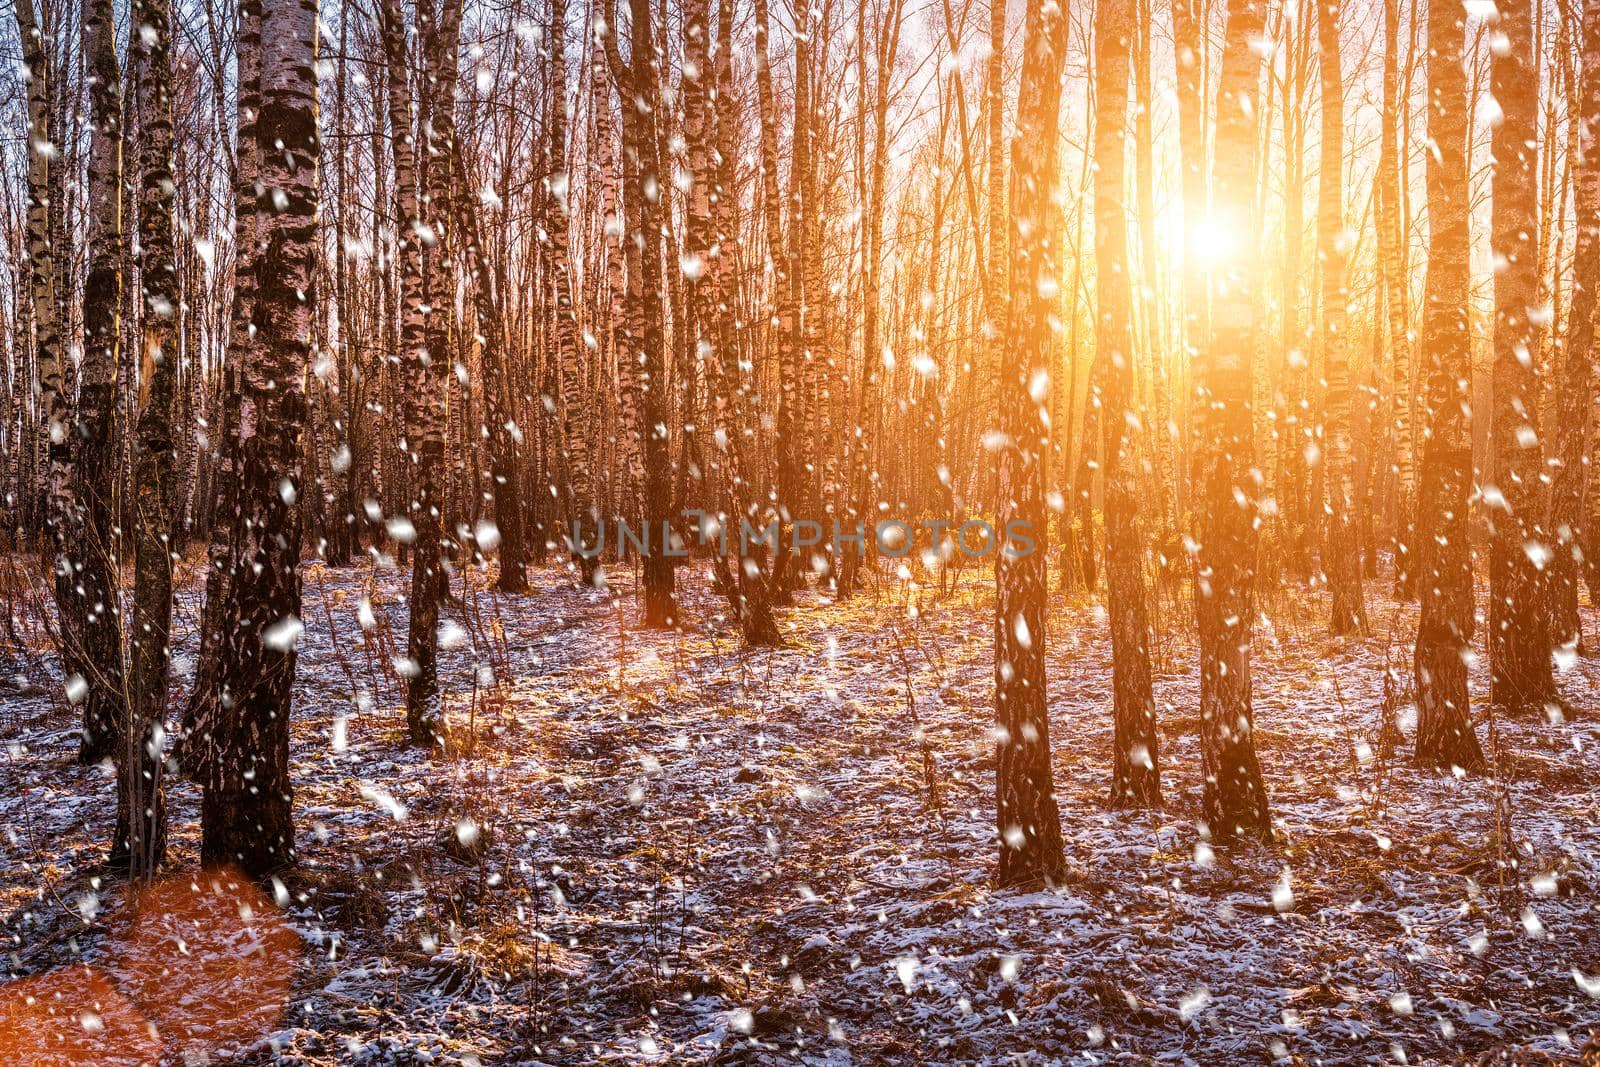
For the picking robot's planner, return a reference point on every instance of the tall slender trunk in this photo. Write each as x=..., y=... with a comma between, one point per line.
x=246, y=800
x=785, y=332
x=580, y=507
x=421, y=369
x=638, y=84
x=995, y=116
x=695, y=326
x=197, y=741
x=1090, y=440
x=994, y=113
x=500, y=410
x=1343, y=548
x=795, y=490
x=1443, y=558
x=1520, y=674
x=747, y=589
x=609, y=168
x=865, y=435
x=817, y=362
x=934, y=460
x=1189, y=42
x=342, y=541
x=1136, y=780
x=420, y=394
x=1396, y=294
x=1570, y=491
x=1154, y=404
x=1235, y=798
x=97, y=430
x=427, y=375
x=1287, y=474
x=1029, y=822
x=139, y=792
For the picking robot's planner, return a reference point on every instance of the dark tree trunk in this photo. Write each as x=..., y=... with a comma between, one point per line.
x=1570, y=491
x=660, y=606
x=1520, y=673
x=196, y=741
x=98, y=432
x=782, y=331
x=747, y=588
x=580, y=511
x=1444, y=553
x=141, y=807
x=1342, y=553
x=505, y=466
x=427, y=423
x=1235, y=798
x=246, y=797
x=1029, y=821
x=1396, y=292
x=1136, y=781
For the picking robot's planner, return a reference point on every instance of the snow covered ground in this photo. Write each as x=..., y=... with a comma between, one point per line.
x=656, y=847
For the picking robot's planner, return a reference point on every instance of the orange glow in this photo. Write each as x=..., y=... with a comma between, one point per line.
x=72, y=1015
x=197, y=963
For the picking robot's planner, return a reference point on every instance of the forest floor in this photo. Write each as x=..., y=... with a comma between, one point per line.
x=690, y=853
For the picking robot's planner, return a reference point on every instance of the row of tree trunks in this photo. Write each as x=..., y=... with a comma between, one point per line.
x=679, y=317
x=100, y=700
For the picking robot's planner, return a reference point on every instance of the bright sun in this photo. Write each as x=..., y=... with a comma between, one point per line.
x=1214, y=240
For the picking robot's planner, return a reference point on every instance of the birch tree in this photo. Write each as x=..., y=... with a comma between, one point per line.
x=1136, y=778
x=1029, y=821
x=246, y=796
x=1571, y=493
x=1444, y=564
x=96, y=442
x=1343, y=550
x=139, y=780
x=1520, y=673
x=1234, y=803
